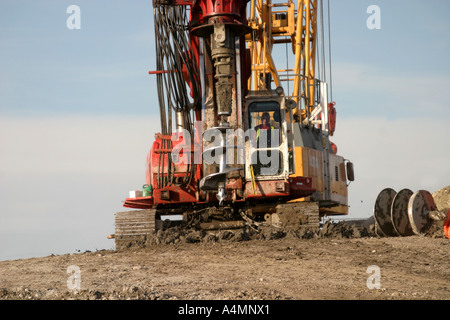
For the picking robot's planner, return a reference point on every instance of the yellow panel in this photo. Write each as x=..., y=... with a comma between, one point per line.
x=338, y=187
x=298, y=156
x=308, y=163
x=336, y=210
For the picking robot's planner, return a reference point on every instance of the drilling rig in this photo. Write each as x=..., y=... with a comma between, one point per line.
x=245, y=119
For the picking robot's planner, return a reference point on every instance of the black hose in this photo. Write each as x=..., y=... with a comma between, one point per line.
x=173, y=52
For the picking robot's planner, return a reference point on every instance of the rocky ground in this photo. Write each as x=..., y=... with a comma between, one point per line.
x=341, y=261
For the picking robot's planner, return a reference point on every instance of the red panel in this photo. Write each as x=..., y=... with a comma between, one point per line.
x=156, y=169
x=295, y=187
x=157, y=161
x=139, y=203
x=301, y=186
x=331, y=117
x=173, y=195
x=215, y=7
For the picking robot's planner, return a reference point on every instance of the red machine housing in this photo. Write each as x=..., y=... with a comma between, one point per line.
x=158, y=173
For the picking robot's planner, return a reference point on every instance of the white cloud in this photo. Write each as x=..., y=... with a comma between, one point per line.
x=402, y=153
x=75, y=144
x=406, y=93
x=63, y=178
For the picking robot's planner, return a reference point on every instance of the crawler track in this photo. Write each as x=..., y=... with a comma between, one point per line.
x=136, y=227
x=133, y=227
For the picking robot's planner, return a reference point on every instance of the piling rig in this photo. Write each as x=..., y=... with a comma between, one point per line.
x=243, y=139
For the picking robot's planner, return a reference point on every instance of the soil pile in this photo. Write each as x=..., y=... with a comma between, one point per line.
x=287, y=269
x=329, y=229
x=442, y=200
x=127, y=293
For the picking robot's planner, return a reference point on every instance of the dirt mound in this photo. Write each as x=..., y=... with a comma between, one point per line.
x=127, y=293
x=281, y=269
x=442, y=198
x=330, y=229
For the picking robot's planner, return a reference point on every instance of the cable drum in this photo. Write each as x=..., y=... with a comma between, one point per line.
x=382, y=213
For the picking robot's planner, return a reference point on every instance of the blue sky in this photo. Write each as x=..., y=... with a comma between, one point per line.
x=78, y=111
x=99, y=69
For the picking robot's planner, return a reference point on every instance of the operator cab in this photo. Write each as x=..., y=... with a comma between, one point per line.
x=266, y=125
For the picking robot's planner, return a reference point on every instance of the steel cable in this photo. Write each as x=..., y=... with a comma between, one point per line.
x=173, y=54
